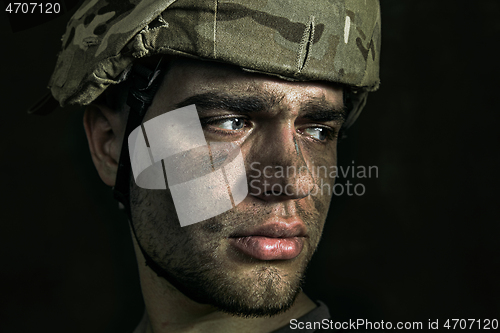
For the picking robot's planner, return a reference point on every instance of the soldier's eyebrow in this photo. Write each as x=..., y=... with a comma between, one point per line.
x=257, y=102
x=313, y=108
x=321, y=110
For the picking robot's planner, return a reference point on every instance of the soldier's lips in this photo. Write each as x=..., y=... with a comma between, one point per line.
x=277, y=240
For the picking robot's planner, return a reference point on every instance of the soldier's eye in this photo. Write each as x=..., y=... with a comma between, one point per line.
x=317, y=133
x=225, y=124
x=230, y=124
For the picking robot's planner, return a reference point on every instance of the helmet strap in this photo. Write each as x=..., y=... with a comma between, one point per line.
x=145, y=84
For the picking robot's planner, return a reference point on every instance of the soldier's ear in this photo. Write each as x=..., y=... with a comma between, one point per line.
x=104, y=128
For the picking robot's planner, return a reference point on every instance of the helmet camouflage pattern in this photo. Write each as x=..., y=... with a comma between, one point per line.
x=328, y=40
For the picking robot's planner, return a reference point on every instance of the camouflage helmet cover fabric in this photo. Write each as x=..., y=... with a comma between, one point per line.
x=328, y=40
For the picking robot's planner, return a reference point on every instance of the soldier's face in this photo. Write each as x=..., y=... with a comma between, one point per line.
x=251, y=259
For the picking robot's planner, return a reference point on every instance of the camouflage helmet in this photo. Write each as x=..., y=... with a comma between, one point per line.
x=328, y=40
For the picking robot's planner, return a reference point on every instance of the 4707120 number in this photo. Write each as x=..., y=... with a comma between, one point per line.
x=33, y=8
x=463, y=324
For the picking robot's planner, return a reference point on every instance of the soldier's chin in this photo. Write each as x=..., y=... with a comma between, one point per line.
x=267, y=293
x=250, y=307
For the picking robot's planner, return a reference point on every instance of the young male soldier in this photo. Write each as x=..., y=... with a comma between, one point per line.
x=269, y=84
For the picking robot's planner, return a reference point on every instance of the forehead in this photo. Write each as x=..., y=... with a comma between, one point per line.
x=187, y=77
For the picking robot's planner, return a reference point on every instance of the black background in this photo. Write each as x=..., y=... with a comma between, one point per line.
x=422, y=243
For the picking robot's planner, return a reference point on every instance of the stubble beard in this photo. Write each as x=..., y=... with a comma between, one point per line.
x=200, y=263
